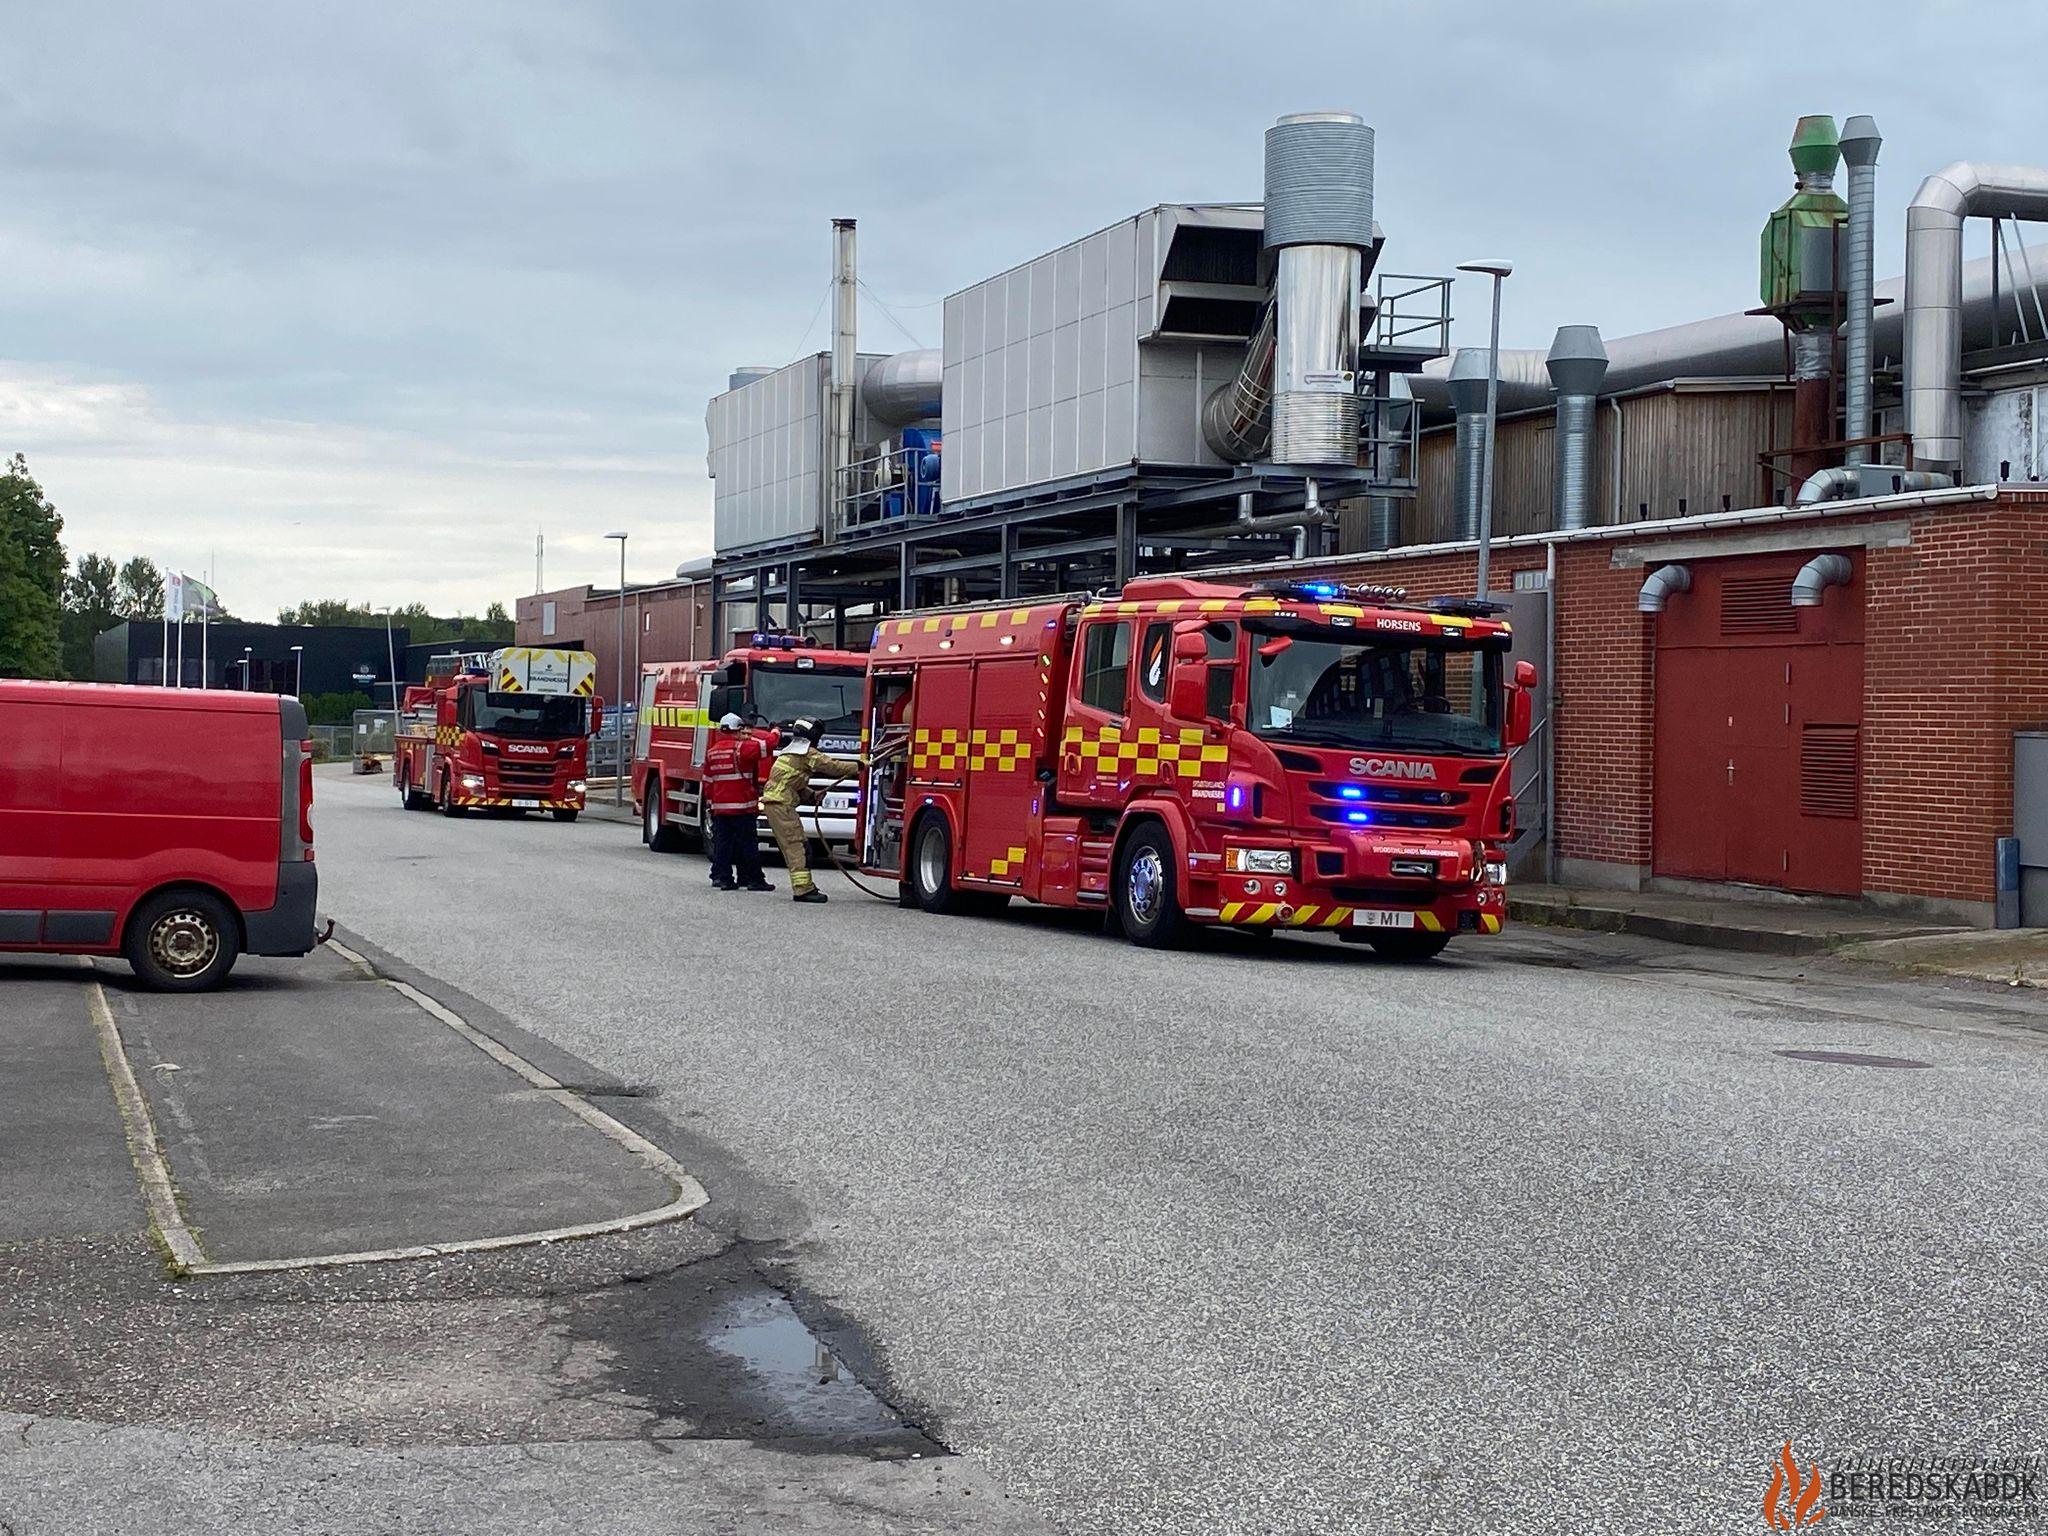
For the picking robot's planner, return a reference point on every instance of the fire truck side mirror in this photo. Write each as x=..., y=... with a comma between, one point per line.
x=1187, y=689
x=731, y=675
x=596, y=717
x=1521, y=704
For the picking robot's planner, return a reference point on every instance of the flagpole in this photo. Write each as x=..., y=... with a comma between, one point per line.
x=204, y=625
x=163, y=671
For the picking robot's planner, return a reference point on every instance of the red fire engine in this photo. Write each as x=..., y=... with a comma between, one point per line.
x=1293, y=754
x=768, y=683
x=509, y=731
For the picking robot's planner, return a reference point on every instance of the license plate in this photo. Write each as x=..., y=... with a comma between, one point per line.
x=1382, y=917
x=525, y=805
x=838, y=803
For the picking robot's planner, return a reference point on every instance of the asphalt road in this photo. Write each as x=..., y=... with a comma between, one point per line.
x=1281, y=1238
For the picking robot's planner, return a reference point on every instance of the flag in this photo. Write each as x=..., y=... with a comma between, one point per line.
x=174, y=598
x=200, y=600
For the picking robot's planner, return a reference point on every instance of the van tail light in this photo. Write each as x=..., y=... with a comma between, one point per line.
x=306, y=800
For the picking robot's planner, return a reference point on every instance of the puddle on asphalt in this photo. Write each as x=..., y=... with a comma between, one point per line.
x=803, y=1380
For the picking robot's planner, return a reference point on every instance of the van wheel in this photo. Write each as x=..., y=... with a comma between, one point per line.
x=1409, y=945
x=182, y=941
x=655, y=830
x=1147, y=891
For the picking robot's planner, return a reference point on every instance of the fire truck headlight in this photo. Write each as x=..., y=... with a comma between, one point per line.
x=1259, y=861
x=576, y=786
x=472, y=781
x=1494, y=872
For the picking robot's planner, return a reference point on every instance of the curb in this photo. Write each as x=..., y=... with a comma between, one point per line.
x=1675, y=930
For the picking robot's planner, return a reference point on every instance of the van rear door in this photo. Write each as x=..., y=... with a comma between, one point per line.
x=29, y=770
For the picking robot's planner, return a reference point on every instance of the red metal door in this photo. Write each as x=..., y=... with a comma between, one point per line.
x=1758, y=720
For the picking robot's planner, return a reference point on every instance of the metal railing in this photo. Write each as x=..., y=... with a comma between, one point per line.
x=885, y=490
x=1413, y=315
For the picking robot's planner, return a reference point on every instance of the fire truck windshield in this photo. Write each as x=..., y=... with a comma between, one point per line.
x=1415, y=695
x=535, y=716
x=781, y=695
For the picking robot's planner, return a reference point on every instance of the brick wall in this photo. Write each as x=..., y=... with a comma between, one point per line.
x=1955, y=660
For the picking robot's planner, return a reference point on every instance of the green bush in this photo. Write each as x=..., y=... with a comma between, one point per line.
x=335, y=708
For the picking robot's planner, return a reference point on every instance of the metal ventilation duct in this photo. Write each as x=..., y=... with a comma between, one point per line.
x=905, y=388
x=845, y=318
x=1577, y=363
x=1934, y=293
x=1860, y=143
x=1659, y=586
x=1319, y=218
x=1469, y=374
x=1724, y=346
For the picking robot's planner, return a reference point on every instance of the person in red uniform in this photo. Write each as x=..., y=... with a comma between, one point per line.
x=732, y=783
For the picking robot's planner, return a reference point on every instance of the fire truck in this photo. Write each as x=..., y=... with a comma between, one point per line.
x=507, y=731
x=769, y=682
x=1293, y=754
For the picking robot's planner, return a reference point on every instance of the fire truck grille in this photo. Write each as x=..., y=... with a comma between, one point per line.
x=1386, y=816
x=526, y=775
x=1387, y=794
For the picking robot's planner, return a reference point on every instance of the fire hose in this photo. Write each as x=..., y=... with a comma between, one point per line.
x=818, y=828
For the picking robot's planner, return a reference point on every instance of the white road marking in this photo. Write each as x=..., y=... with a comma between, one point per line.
x=188, y=1258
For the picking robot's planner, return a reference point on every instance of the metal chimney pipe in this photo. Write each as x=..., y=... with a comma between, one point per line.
x=1934, y=293
x=845, y=322
x=1319, y=218
x=1577, y=363
x=1860, y=144
x=1469, y=374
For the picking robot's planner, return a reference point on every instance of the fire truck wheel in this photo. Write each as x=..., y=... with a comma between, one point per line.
x=1400, y=945
x=564, y=815
x=655, y=830
x=182, y=941
x=1147, y=894
x=931, y=866
x=446, y=798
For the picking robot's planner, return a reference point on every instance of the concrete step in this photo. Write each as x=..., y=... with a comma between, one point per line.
x=1759, y=927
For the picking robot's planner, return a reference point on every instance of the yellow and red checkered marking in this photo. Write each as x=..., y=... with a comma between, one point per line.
x=1309, y=915
x=1000, y=868
x=978, y=751
x=1148, y=752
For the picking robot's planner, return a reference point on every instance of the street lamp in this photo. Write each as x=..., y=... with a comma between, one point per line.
x=298, y=670
x=248, y=654
x=619, y=699
x=1498, y=271
x=390, y=662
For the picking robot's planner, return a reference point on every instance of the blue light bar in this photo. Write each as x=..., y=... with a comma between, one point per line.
x=1350, y=792
x=1358, y=818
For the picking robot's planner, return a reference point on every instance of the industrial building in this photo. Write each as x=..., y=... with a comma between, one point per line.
x=266, y=658
x=1781, y=567
x=662, y=621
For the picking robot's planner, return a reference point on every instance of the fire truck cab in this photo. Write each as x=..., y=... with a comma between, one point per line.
x=769, y=682
x=507, y=731
x=1292, y=754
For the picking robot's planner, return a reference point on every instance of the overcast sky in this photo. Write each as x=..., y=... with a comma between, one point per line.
x=352, y=298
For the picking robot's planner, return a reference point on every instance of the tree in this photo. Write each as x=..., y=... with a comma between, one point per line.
x=91, y=606
x=31, y=577
x=328, y=612
x=140, y=589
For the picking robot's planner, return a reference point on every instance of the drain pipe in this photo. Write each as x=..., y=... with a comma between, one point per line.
x=1816, y=576
x=1860, y=144
x=1662, y=582
x=1577, y=363
x=1469, y=372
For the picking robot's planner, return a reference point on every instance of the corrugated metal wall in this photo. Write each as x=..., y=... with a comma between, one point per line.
x=1683, y=451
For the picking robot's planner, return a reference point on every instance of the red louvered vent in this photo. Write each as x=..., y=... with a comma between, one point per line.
x=1830, y=762
x=1757, y=605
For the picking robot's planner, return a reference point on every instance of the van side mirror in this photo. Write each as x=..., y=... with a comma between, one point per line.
x=1187, y=687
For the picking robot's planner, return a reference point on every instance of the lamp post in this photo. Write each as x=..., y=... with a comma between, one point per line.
x=1498, y=271
x=248, y=655
x=298, y=670
x=619, y=698
x=391, y=663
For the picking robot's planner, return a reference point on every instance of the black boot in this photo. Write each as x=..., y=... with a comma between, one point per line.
x=812, y=894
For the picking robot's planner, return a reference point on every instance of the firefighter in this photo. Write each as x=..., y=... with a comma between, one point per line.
x=732, y=785
x=789, y=785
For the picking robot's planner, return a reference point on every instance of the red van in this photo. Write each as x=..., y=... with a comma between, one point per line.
x=168, y=825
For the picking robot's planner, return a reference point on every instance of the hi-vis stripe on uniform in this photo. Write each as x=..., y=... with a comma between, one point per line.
x=979, y=751
x=1311, y=916
x=1149, y=753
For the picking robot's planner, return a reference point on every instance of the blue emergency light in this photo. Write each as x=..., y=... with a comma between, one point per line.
x=1358, y=818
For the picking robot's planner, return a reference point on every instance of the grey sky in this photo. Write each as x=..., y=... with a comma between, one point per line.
x=355, y=297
